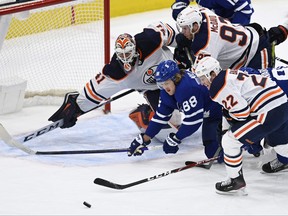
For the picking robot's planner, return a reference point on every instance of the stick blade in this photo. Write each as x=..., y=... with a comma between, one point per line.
x=205, y=166
x=109, y=184
x=8, y=139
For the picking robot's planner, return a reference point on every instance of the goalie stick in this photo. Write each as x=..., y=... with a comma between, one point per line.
x=6, y=137
x=189, y=56
x=112, y=185
x=14, y=143
x=116, y=150
x=60, y=122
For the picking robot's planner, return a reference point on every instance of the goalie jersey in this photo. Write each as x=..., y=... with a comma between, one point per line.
x=152, y=48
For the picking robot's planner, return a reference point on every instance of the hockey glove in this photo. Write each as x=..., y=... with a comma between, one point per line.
x=254, y=148
x=181, y=58
x=277, y=34
x=69, y=111
x=138, y=146
x=183, y=42
x=171, y=143
x=178, y=6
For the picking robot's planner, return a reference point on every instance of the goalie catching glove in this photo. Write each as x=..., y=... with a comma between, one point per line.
x=69, y=111
x=138, y=146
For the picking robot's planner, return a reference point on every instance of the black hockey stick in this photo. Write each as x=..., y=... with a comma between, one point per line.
x=60, y=122
x=112, y=185
x=206, y=166
x=281, y=60
x=7, y=138
x=115, y=150
x=189, y=56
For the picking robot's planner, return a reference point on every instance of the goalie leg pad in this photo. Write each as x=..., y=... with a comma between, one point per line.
x=141, y=116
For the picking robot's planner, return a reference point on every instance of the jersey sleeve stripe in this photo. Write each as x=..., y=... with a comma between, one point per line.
x=242, y=114
x=261, y=118
x=193, y=122
x=245, y=128
x=241, y=7
x=159, y=121
x=171, y=34
x=91, y=93
x=194, y=113
x=273, y=93
x=163, y=116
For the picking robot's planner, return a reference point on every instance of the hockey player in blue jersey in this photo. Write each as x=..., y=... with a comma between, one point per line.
x=181, y=90
x=239, y=12
x=255, y=108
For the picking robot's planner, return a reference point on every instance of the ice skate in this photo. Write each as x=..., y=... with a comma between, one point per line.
x=232, y=186
x=274, y=166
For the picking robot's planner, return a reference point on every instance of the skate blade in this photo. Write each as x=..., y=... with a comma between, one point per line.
x=239, y=192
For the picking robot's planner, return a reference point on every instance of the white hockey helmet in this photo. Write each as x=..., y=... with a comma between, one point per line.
x=125, y=49
x=206, y=65
x=188, y=17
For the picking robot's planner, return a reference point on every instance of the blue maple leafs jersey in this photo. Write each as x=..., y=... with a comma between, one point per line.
x=239, y=11
x=190, y=98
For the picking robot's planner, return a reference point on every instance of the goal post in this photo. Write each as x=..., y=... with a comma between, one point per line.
x=55, y=45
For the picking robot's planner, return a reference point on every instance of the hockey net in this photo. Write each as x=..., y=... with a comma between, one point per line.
x=56, y=45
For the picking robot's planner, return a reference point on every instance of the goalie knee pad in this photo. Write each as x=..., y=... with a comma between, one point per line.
x=141, y=116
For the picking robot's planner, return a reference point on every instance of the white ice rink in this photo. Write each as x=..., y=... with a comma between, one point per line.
x=58, y=185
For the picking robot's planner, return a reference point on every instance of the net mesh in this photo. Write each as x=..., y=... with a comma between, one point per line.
x=57, y=49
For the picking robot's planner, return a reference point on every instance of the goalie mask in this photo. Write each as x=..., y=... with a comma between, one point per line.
x=125, y=49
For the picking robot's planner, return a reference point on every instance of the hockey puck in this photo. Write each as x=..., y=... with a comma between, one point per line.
x=87, y=204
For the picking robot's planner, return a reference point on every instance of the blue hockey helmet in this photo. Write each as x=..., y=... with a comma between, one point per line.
x=166, y=70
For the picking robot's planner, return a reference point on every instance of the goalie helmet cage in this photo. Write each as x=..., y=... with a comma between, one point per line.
x=56, y=45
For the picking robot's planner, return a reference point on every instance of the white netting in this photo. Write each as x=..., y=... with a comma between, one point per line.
x=56, y=49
